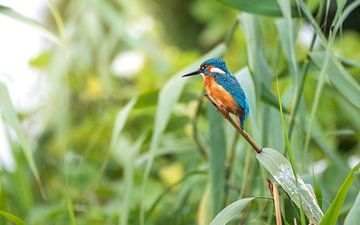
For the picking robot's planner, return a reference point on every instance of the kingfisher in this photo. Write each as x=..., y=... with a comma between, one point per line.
x=223, y=89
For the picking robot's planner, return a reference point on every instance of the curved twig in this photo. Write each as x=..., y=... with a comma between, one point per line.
x=246, y=136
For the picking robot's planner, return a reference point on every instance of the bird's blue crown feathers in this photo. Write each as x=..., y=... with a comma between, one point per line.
x=217, y=62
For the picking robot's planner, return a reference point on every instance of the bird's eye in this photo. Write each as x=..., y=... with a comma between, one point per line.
x=202, y=67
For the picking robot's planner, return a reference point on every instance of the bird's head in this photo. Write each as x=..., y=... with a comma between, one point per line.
x=210, y=67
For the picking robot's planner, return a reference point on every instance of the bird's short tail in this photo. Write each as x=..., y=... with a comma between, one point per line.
x=242, y=121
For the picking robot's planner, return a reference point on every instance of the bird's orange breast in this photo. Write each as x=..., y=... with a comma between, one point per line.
x=220, y=96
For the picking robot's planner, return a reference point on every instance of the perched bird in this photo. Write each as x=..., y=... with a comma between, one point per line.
x=223, y=89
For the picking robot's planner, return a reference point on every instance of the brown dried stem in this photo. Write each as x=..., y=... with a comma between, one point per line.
x=275, y=193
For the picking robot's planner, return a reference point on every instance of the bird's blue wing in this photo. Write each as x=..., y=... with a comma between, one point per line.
x=231, y=85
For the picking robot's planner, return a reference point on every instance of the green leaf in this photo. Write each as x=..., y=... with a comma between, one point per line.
x=256, y=56
x=231, y=211
x=32, y=23
x=129, y=171
x=147, y=99
x=286, y=37
x=280, y=168
x=120, y=122
x=217, y=156
x=353, y=217
x=42, y=60
x=339, y=77
x=70, y=208
x=262, y=7
x=269, y=98
x=12, y=218
x=9, y=114
x=332, y=214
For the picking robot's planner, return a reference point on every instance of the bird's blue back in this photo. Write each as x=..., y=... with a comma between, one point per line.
x=232, y=86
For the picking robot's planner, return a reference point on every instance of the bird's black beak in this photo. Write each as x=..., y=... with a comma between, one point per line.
x=197, y=72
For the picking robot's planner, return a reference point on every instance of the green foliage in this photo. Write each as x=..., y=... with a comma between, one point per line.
x=332, y=214
x=217, y=155
x=281, y=170
x=12, y=218
x=231, y=211
x=143, y=146
x=268, y=8
x=9, y=114
x=354, y=213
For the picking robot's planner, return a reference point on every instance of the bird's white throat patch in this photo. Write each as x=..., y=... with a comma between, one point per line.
x=216, y=70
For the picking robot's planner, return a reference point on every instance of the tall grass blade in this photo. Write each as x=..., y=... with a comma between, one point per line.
x=57, y=17
x=32, y=23
x=286, y=31
x=231, y=211
x=8, y=112
x=280, y=168
x=353, y=217
x=217, y=156
x=261, y=7
x=339, y=77
x=332, y=214
x=285, y=133
x=286, y=36
x=16, y=220
x=70, y=208
x=168, y=97
x=288, y=149
x=128, y=159
x=120, y=121
x=203, y=217
x=257, y=61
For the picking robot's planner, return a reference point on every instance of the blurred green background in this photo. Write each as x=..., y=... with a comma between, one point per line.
x=120, y=138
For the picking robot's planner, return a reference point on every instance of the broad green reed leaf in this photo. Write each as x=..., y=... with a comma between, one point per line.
x=261, y=7
x=16, y=220
x=339, y=77
x=353, y=217
x=30, y=22
x=217, y=156
x=262, y=73
x=231, y=211
x=8, y=112
x=168, y=97
x=332, y=213
x=286, y=36
x=280, y=168
x=120, y=121
x=257, y=62
x=286, y=32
